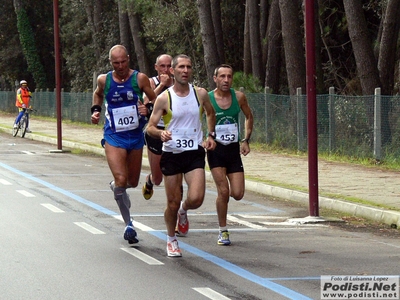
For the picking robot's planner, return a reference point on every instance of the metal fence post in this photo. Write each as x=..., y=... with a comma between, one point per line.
x=332, y=122
x=377, y=125
x=267, y=105
x=301, y=116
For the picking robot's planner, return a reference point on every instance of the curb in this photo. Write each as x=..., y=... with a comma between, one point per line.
x=379, y=215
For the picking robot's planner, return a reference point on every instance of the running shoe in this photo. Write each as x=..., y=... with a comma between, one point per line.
x=15, y=126
x=183, y=224
x=173, y=249
x=223, y=238
x=28, y=130
x=130, y=234
x=147, y=190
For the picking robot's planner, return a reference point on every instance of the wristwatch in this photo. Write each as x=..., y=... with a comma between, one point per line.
x=212, y=134
x=246, y=140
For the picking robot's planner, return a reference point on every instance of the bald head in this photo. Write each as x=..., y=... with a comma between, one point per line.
x=163, y=57
x=117, y=49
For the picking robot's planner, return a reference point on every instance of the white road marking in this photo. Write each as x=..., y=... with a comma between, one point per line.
x=25, y=193
x=262, y=217
x=142, y=256
x=245, y=223
x=138, y=225
x=5, y=182
x=211, y=294
x=28, y=152
x=292, y=224
x=52, y=207
x=89, y=228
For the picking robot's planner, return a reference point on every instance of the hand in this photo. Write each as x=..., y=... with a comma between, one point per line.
x=244, y=148
x=95, y=117
x=142, y=109
x=165, y=135
x=165, y=80
x=209, y=143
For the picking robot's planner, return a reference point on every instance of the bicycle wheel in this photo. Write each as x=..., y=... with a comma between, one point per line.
x=15, y=129
x=22, y=126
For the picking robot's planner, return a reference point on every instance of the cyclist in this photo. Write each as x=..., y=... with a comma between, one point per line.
x=23, y=98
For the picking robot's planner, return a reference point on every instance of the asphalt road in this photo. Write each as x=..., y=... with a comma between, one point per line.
x=61, y=238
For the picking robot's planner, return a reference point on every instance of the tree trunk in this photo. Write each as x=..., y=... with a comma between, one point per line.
x=274, y=46
x=367, y=69
x=362, y=47
x=123, y=25
x=255, y=40
x=246, y=44
x=93, y=12
x=217, y=22
x=386, y=67
x=293, y=45
x=264, y=13
x=208, y=39
x=138, y=41
x=27, y=40
x=388, y=43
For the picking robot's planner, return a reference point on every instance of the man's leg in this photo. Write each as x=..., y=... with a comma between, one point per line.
x=196, y=182
x=172, y=185
x=118, y=162
x=172, y=189
x=19, y=116
x=222, y=184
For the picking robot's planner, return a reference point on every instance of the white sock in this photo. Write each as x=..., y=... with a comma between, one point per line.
x=225, y=228
x=170, y=239
x=181, y=210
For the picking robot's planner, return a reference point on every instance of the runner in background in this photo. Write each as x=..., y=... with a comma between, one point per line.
x=225, y=162
x=158, y=83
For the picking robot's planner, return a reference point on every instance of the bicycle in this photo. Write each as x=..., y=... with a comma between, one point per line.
x=21, y=126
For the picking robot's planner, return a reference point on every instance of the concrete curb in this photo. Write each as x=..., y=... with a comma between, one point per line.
x=371, y=213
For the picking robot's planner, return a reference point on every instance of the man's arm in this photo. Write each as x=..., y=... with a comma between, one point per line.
x=160, y=108
x=98, y=98
x=144, y=85
x=248, y=124
x=210, y=117
x=19, y=96
x=164, y=82
x=149, y=95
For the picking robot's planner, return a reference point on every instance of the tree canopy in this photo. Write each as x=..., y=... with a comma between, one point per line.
x=357, y=41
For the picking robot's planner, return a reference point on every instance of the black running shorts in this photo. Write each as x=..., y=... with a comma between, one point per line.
x=184, y=162
x=154, y=145
x=226, y=156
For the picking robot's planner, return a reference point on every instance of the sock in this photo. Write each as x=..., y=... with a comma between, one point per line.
x=149, y=182
x=170, y=239
x=123, y=206
x=223, y=228
x=181, y=210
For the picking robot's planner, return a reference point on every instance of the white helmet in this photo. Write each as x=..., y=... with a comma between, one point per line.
x=23, y=82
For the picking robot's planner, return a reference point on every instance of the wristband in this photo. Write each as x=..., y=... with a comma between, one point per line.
x=149, y=106
x=95, y=108
x=246, y=140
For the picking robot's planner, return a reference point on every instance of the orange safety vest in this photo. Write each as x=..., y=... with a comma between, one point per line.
x=24, y=95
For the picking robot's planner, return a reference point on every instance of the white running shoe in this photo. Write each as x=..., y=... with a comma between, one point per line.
x=173, y=249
